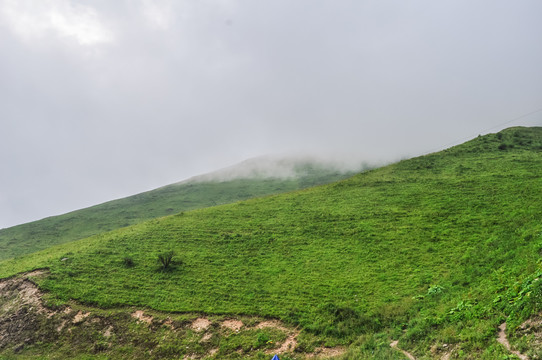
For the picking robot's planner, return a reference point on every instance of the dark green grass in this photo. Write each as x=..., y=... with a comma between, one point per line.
x=27, y=238
x=427, y=246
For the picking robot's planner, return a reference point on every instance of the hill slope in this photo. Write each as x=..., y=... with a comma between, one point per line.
x=252, y=178
x=435, y=251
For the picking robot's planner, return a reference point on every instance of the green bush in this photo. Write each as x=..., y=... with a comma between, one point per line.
x=435, y=290
x=166, y=259
x=128, y=261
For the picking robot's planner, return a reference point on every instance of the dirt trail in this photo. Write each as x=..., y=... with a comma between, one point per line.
x=326, y=352
x=504, y=341
x=394, y=343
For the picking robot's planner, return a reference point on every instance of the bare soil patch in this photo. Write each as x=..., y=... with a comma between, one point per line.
x=503, y=339
x=80, y=316
x=326, y=352
x=232, y=324
x=288, y=345
x=442, y=351
x=533, y=328
x=22, y=312
x=169, y=323
x=394, y=344
x=272, y=324
x=140, y=315
x=108, y=332
x=17, y=292
x=206, y=337
x=200, y=324
x=38, y=273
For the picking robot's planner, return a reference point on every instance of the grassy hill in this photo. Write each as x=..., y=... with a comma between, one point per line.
x=253, y=178
x=434, y=251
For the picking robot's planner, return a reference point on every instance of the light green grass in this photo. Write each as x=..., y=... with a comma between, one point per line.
x=427, y=245
x=38, y=235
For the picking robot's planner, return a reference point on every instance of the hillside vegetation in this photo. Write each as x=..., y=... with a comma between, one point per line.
x=205, y=191
x=435, y=251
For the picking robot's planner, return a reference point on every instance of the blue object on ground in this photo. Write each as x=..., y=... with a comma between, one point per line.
x=275, y=357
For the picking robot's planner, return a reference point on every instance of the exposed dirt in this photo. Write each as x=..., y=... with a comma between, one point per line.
x=200, y=324
x=291, y=342
x=503, y=339
x=140, y=315
x=442, y=351
x=532, y=329
x=80, y=316
x=272, y=324
x=288, y=345
x=169, y=323
x=394, y=343
x=206, y=337
x=25, y=320
x=22, y=311
x=324, y=352
x=108, y=332
x=38, y=273
x=21, y=291
x=232, y=324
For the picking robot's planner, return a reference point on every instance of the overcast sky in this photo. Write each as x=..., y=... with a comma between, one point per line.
x=104, y=99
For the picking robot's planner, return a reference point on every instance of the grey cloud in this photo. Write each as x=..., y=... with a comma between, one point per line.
x=183, y=88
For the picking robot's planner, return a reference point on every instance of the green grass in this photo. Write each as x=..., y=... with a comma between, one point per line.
x=38, y=235
x=433, y=250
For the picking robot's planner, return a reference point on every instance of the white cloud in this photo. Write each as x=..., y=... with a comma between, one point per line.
x=157, y=13
x=35, y=19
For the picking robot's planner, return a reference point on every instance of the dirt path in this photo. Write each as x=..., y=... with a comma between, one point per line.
x=394, y=343
x=504, y=341
x=323, y=352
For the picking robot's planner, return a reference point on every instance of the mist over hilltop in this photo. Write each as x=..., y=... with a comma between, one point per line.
x=101, y=100
x=282, y=167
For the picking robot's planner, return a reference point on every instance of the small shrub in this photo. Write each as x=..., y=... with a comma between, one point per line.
x=262, y=339
x=165, y=259
x=128, y=261
x=435, y=290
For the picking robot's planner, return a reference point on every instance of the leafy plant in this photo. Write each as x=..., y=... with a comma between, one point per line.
x=262, y=339
x=165, y=259
x=128, y=261
x=435, y=290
